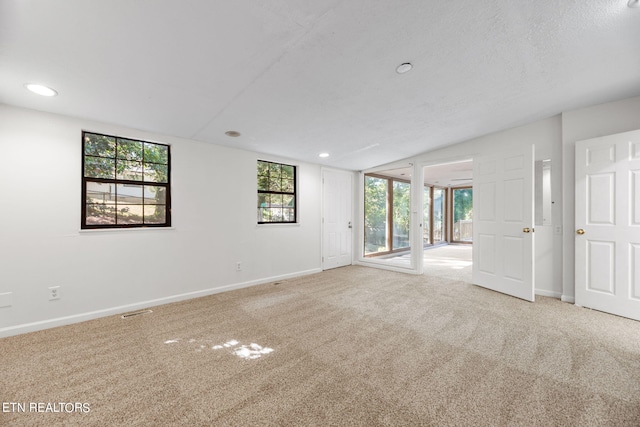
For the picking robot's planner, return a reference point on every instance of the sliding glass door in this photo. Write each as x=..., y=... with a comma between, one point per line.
x=439, y=215
x=387, y=213
x=426, y=218
x=376, y=215
x=462, y=214
x=434, y=215
x=401, y=200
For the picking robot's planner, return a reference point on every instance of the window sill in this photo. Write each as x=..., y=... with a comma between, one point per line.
x=122, y=230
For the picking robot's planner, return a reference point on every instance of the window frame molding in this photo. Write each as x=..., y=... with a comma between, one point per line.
x=84, y=227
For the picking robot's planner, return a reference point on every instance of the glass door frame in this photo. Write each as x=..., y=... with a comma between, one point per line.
x=452, y=214
x=415, y=222
x=445, y=216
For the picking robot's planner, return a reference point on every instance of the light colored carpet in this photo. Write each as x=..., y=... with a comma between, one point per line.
x=452, y=262
x=351, y=346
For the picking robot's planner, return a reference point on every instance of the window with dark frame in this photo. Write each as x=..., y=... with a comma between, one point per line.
x=125, y=182
x=277, y=202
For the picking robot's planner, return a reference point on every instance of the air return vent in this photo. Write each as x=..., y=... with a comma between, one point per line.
x=136, y=313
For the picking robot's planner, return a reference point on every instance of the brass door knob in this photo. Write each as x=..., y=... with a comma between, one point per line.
x=526, y=230
x=580, y=231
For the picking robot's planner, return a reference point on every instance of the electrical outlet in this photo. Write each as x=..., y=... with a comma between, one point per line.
x=238, y=266
x=54, y=292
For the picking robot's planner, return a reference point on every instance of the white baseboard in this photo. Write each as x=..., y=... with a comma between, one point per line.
x=545, y=293
x=569, y=299
x=82, y=317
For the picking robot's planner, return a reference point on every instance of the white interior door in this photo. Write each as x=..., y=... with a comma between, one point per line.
x=337, y=193
x=608, y=224
x=503, y=256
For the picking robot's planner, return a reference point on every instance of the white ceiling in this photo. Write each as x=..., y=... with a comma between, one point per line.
x=299, y=77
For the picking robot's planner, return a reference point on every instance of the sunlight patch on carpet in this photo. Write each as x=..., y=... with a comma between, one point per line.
x=234, y=347
x=251, y=351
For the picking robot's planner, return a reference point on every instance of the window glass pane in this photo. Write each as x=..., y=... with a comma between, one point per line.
x=375, y=215
x=98, y=192
x=263, y=200
x=155, y=214
x=263, y=214
x=274, y=170
x=129, y=194
x=100, y=203
x=129, y=214
x=287, y=186
x=288, y=215
x=130, y=170
x=156, y=173
x=99, y=145
x=274, y=185
x=263, y=168
x=276, y=200
x=401, y=214
x=263, y=183
x=463, y=214
x=129, y=149
x=156, y=153
x=275, y=214
x=287, y=201
x=98, y=167
x=101, y=214
x=287, y=172
x=155, y=195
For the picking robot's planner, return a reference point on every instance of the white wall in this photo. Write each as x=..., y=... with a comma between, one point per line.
x=577, y=125
x=106, y=272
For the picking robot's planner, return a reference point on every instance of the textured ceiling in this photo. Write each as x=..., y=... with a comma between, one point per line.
x=299, y=77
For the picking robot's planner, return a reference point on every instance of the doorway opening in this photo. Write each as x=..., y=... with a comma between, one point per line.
x=445, y=217
x=448, y=219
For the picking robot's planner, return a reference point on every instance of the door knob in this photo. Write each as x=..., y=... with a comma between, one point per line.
x=580, y=231
x=526, y=230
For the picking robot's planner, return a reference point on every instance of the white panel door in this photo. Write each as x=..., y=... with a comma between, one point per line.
x=608, y=224
x=503, y=256
x=336, y=218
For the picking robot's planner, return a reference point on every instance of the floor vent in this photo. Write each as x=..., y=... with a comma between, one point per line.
x=136, y=313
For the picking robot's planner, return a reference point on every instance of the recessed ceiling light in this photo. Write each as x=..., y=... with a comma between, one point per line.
x=323, y=155
x=232, y=133
x=634, y=3
x=404, y=68
x=40, y=89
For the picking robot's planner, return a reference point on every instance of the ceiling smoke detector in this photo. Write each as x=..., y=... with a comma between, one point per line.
x=232, y=133
x=404, y=68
